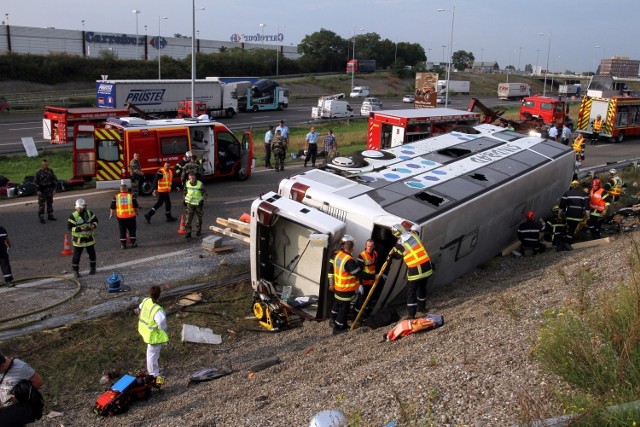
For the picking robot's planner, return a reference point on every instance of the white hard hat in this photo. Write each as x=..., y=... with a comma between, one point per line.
x=613, y=171
x=188, y=154
x=80, y=203
x=348, y=238
x=329, y=418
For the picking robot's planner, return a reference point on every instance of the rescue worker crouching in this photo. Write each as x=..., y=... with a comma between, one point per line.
x=556, y=230
x=194, y=196
x=82, y=224
x=529, y=234
x=347, y=274
x=419, y=268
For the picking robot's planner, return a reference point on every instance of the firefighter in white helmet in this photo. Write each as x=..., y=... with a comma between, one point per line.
x=82, y=224
x=616, y=185
x=419, y=267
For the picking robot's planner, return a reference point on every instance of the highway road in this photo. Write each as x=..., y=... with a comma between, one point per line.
x=16, y=125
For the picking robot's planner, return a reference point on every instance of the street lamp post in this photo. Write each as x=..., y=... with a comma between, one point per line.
x=160, y=18
x=262, y=37
x=443, y=46
x=519, y=55
x=481, y=63
x=453, y=17
x=353, y=63
x=193, y=57
x=544, y=90
x=537, y=57
x=135, y=12
x=278, y=50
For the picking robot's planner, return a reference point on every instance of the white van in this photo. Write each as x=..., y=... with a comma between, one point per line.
x=332, y=109
x=360, y=92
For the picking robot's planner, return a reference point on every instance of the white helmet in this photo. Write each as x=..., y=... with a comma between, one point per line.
x=613, y=171
x=188, y=154
x=329, y=418
x=80, y=203
x=348, y=238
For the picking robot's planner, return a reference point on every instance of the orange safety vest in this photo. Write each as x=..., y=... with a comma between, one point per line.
x=369, y=266
x=578, y=144
x=597, y=125
x=344, y=280
x=164, y=184
x=597, y=202
x=415, y=254
x=124, y=206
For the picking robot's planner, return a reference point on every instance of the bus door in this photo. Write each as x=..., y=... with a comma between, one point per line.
x=84, y=152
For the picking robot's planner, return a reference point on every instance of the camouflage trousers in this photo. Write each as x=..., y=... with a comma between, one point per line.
x=46, y=196
x=194, y=211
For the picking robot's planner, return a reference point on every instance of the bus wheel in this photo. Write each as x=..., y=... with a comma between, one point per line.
x=145, y=186
x=242, y=175
x=620, y=137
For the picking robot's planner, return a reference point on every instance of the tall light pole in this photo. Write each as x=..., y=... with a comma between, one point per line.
x=6, y=19
x=443, y=46
x=353, y=63
x=428, y=55
x=160, y=18
x=193, y=57
x=544, y=90
x=262, y=27
x=481, y=63
x=135, y=12
x=82, y=25
x=395, y=56
x=453, y=17
x=278, y=50
x=537, y=57
x=519, y=55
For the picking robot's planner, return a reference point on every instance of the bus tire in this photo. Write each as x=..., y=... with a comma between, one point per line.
x=242, y=175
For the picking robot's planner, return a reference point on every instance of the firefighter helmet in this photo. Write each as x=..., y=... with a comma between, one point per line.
x=575, y=183
x=555, y=209
x=613, y=171
x=80, y=203
x=530, y=215
x=188, y=154
x=596, y=183
x=348, y=238
x=398, y=230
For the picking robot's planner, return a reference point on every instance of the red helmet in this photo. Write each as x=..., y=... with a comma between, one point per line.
x=530, y=215
x=596, y=183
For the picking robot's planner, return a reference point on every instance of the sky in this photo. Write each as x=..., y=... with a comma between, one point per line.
x=565, y=34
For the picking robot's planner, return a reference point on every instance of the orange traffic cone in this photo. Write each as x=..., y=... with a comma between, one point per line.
x=66, y=247
x=245, y=218
x=183, y=225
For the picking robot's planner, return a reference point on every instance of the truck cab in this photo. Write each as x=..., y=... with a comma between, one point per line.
x=550, y=110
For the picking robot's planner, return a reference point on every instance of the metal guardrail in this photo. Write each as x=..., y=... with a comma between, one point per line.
x=594, y=170
x=28, y=99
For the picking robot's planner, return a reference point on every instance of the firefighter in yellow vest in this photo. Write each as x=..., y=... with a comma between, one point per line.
x=598, y=201
x=347, y=274
x=194, y=196
x=125, y=206
x=152, y=326
x=162, y=189
x=82, y=223
x=616, y=185
x=368, y=260
x=419, y=268
x=578, y=148
x=331, y=276
x=595, y=129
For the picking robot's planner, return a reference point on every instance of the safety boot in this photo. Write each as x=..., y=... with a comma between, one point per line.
x=199, y=232
x=171, y=218
x=187, y=236
x=76, y=274
x=93, y=270
x=52, y=218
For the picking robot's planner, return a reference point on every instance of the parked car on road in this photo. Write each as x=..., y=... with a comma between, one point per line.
x=373, y=101
x=367, y=107
x=408, y=98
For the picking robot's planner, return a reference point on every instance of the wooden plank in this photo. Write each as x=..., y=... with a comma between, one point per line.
x=591, y=243
x=228, y=232
x=234, y=225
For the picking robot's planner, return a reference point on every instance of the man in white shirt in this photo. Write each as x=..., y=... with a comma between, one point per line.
x=267, y=147
x=284, y=131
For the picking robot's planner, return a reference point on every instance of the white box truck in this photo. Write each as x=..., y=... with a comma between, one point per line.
x=161, y=97
x=513, y=90
x=331, y=106
x=455, y=86
x=569, y=90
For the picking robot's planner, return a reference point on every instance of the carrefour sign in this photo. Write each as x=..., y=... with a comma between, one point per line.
x=239, y=38
x=124, y=39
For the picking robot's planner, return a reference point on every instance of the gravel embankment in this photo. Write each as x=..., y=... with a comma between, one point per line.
x=476, y=370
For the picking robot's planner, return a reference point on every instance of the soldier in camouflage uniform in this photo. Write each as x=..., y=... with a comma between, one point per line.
x=194, y=166
x=136, y=174
x=47, y=183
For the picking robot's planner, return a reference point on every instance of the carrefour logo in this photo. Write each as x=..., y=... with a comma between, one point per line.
x=239, y=38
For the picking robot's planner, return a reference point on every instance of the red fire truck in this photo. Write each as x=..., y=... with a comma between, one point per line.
x=390, y=128
x=104, y=150
x=58, y=122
